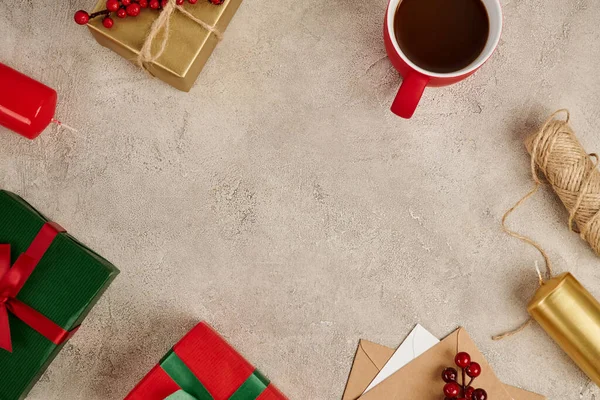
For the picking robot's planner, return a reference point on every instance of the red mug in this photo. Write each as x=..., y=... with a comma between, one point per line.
x=415, y=78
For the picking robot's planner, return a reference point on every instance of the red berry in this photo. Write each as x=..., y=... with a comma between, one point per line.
x=126, y=2
x=133, y=9
x=143, y=3
x=108, y=22
x=154, y=4
x=179, y=2
x=473, y=370
x=82, y=17
x=192, y=1
x=449, y=375
x=462, y=359
x=112, y=5
x=451, y=389
x=164, y=3
x=479, y=394
x=121, y=13
x=217, y=2
x=469, y=392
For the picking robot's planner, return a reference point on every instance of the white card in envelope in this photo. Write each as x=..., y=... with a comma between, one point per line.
x=415, y=344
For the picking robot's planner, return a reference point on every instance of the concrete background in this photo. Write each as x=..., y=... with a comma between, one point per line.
x=281, y=201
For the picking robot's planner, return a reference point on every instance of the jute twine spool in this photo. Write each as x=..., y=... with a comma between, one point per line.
x=572, y=174
x=163, y=22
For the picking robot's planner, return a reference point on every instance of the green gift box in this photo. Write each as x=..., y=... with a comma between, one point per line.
x=48, y=283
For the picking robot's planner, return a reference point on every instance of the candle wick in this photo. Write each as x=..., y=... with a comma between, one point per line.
x=540, y=277
x=67, y=127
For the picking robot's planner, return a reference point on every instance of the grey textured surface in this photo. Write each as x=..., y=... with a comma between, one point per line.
x=282, y=202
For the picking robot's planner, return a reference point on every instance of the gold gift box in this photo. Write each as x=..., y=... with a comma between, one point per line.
x=188, y=47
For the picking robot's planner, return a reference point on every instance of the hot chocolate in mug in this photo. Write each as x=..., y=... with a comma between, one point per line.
x=423, y=36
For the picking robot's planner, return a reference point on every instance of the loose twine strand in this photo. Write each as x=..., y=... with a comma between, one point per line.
x=572, y=174
x=163, y=22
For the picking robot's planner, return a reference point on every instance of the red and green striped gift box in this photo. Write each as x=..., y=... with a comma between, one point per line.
x=203, y=366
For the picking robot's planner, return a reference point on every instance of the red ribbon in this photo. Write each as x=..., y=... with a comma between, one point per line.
x=13, y=279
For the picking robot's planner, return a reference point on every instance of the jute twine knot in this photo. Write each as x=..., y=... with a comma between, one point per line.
x=572, y=174
x=163, y=22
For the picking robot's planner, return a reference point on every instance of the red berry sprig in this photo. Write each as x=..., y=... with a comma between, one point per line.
x=463, y=391
x=128, y=8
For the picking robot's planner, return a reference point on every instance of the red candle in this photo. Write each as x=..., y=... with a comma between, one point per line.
x=26, y=105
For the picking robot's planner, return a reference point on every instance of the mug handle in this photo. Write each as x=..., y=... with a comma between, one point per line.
x=409, y=94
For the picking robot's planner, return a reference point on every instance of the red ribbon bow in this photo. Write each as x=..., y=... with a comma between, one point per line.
x=13, y=279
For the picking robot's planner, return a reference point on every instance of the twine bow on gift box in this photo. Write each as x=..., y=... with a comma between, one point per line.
x=163, y=22
x=12, y=281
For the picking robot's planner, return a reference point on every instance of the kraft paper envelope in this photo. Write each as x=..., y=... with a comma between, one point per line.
x=424, y=377
x=418, y=341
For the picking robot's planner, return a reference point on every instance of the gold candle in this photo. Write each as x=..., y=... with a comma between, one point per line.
x=571, y=316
